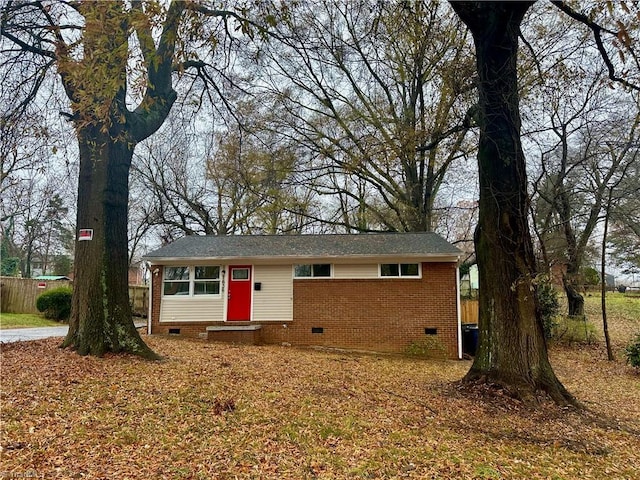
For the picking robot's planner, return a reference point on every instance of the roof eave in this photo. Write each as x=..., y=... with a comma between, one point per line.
x=443, y=257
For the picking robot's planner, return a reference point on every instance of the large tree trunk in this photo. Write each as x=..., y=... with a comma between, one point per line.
x=87, y=321
x=101, y=318
x=124, y=336
x=512, y=350
x=93, y=66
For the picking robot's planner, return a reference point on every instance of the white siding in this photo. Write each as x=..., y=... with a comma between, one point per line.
x=191, y=309
x=355, y=271
x=274, y=301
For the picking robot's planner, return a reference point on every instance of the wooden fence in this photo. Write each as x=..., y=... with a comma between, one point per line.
x=139, y=299
x=469, y=311
x=18, y=295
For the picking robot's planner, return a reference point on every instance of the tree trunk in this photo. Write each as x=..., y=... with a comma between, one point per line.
x=571, y=278
x=87, y=320
x=603, y=279
x=512, y=351
x=101, y=318
x=116, y=203
x=575, y=300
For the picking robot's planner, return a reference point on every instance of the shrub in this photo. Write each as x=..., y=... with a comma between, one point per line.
x=632, y=352
x=55, y=303
x=590, y=276
x=549, y=304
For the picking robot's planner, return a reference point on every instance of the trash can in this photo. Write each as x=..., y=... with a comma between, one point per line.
x=470, y=339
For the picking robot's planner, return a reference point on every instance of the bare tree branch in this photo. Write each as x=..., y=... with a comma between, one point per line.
x=598, y=30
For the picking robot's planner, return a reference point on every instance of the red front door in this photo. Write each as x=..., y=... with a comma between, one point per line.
x=239, y=293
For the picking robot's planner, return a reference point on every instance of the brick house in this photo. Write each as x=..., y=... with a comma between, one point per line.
x=381, y=292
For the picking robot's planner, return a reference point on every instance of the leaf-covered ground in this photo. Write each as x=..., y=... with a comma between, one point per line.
x=224, y=411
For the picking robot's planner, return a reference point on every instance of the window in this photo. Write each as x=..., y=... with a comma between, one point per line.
x=240, y=273
x=176, y=281
x=400, y=270
x=203, y=280
x=207, y=281
x=302, y=271
x=312, y=270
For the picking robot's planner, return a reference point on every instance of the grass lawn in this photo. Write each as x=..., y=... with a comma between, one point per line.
x=623, y=317
x=224, y=411
x=25, y=320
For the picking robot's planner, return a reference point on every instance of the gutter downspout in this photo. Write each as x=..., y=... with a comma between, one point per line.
x=150, y=303
x=458, y=309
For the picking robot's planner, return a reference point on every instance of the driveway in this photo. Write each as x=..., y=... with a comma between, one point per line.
x=26, y=334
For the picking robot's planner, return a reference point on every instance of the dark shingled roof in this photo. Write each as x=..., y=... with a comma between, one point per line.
x=306, y=246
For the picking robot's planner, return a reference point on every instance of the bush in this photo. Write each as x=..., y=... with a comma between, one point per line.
x=632, y=352
x=55, y=303
x=590, y=276
x=549, y=304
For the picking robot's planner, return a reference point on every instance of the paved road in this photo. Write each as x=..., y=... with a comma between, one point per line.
x=22, y=334
x=25, y=334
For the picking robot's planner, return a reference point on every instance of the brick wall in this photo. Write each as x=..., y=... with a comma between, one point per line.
x=384, y=315
x=374, y=314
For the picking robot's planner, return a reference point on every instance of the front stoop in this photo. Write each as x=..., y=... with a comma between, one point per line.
x=246, y=333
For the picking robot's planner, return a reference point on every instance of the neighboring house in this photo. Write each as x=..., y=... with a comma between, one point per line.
x=380, y=292
x=469, y=283
x=36, y=269
x=51, y=277
x=611, y=281
x=136, y=273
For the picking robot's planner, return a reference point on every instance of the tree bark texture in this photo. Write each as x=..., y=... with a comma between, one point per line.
x=512, y=351
x=101, y=318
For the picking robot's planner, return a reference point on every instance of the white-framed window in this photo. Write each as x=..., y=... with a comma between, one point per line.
x=191, y=280
x=176, y=281
x=411, y=270
x=206, y=280
x=312, y=270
